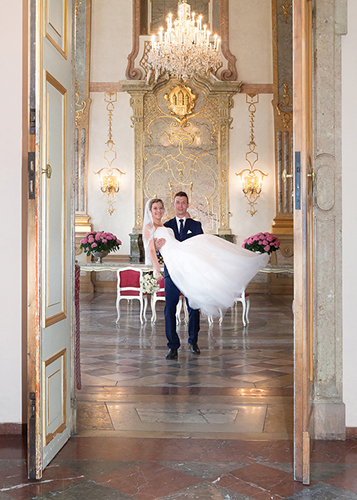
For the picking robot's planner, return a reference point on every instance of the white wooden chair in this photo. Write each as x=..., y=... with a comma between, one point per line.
x=181, y=305
x=160, y=295
x=128, y=287
x=245, y=309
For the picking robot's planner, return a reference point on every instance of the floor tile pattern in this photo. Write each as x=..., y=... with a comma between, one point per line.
x=215, y=426
x=101, y=468
x=128, y=385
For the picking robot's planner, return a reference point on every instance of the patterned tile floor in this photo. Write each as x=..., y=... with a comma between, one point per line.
x=241, y=384
x=217, y=426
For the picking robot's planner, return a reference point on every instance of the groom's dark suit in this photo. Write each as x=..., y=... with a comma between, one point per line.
x=172, y=293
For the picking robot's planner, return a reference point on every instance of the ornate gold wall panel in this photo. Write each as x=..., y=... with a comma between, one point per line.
x=82, y=109
x=182, y=147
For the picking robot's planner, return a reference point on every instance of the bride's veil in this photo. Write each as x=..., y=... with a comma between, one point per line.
x=148, y=231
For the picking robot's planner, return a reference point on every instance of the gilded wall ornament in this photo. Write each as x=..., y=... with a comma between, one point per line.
x=181, y=101
x=285, y=108
x=287, y=7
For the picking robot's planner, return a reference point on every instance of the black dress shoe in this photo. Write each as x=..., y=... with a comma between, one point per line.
x=195, y=349
x=172, y=354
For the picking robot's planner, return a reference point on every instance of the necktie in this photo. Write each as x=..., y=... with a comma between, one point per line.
x=181, y=229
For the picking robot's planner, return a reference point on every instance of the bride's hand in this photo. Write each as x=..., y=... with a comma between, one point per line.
x=159, y=243
x=158, y=275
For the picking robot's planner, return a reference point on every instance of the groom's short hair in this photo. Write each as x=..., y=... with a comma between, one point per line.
x=181, y=194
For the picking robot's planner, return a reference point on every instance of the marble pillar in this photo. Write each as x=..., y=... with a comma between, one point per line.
x=329, y=410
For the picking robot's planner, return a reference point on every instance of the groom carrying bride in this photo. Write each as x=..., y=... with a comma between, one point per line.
x=183, y=227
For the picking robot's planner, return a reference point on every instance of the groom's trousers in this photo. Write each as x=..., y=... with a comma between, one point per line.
x=172, y=296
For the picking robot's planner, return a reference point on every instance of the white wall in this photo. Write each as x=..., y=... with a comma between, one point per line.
x=250, y=39
x=349, y=210
x=10, y=208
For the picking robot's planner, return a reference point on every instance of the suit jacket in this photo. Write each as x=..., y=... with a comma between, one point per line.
x=191, y=228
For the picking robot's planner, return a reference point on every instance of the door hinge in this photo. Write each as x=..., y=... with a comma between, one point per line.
x=32, y=176
x=73, y=402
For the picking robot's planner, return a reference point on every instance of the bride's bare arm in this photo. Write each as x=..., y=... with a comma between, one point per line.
x=152, y=249
x=153, y=257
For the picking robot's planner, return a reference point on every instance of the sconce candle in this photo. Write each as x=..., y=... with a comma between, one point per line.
x=252, y=178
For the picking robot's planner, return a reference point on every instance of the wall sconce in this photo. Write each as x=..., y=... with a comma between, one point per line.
x=252, y=178
x=110, y=177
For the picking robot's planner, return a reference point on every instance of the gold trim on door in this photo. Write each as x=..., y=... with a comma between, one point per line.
x=63, y=91
x=62, y=50
x=63, y=368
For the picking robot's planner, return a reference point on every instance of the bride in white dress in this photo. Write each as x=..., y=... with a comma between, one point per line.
x=209, y=271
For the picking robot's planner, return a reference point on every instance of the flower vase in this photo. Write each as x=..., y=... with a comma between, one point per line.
x=99, y=256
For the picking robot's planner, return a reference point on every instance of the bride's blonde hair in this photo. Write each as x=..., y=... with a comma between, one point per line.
x=155, y=200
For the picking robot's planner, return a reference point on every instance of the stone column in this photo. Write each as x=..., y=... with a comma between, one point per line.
x=137, y=91
x=330, y=23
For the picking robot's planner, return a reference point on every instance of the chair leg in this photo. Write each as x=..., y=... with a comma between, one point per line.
x=145, y=306
x=178, y=311
x=243, y=311
x=247, y=311
x=185, y=310
x=118, y=309
x=141, y=310
x=220, y=317
x=153, y=309
x=210, y=320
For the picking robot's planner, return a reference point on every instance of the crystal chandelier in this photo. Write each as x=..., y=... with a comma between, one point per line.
x=184, y=49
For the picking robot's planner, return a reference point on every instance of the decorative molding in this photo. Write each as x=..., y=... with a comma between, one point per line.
x=105, y=87
x=257, y=88
x=246, y=88
x=287, y=9
x=231, y=73
x=82, y=104
x=285, y=107
x=131, y=72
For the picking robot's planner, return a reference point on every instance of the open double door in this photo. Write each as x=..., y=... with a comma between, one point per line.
x=50, y=228
x=51, y=248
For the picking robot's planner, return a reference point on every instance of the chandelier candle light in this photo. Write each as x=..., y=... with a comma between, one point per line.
x=109, y=176
x=185, y=49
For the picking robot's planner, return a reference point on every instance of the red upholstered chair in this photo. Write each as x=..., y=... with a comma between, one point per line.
x=128, y=287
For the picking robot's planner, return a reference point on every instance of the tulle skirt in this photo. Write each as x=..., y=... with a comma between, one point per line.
x=209, y=271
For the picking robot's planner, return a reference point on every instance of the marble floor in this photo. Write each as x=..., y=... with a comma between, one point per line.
x=216, y=426
x=239, y=386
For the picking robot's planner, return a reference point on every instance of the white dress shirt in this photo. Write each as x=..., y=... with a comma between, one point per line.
x=178, y=222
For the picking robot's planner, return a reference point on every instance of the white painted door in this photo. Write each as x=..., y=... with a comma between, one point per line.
x=303, y=240
x=50, y=237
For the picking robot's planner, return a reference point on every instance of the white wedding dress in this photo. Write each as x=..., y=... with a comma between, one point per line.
x=209, y=271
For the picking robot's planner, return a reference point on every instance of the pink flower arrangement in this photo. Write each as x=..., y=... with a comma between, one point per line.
x=99, y=241
x=262, y=242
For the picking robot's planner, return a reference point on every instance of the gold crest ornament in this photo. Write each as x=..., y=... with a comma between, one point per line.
x=181, y=101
